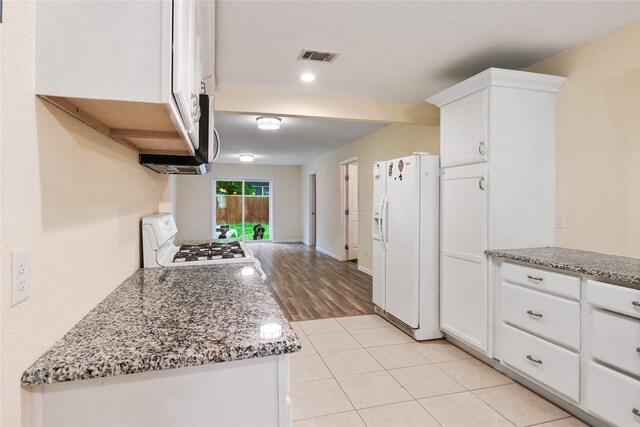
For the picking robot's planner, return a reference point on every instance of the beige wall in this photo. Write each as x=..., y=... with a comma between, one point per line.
x=390, y=142
x=194, y=200
x=598, y=154
x=70, y=195
x=243, y=101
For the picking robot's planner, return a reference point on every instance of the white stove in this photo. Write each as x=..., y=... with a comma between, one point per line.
x=159, y=248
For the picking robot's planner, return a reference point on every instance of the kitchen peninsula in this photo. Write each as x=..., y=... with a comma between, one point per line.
x=172, y=327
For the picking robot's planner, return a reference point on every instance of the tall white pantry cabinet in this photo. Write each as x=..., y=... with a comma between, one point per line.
x=498, y=159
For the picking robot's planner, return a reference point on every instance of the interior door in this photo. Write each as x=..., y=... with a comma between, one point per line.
x=184, y=65
x=352, y=207
x=402, y=220
x=463, y=275
x=312, y=210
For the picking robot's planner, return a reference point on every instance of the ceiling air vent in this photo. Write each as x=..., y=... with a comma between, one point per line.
x=314, y=55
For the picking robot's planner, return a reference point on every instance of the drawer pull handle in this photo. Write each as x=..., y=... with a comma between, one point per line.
x=534, y=314
x=636, y=412
x=538, y=361
x=538, y=278
x=635, y=303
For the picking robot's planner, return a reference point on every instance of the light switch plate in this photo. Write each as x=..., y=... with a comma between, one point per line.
x=20, y=275
x=560, y=220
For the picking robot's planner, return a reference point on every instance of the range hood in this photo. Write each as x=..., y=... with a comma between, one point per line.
x=206, y=153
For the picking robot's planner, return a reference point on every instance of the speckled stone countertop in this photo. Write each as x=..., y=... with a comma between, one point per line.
x=621, y=269
x=165, y=318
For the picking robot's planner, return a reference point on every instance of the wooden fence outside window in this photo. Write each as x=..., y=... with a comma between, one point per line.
x=229, y=209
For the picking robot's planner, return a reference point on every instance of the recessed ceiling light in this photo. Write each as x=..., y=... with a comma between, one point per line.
x=307, y=77
x=246, y=157
x=269, y=123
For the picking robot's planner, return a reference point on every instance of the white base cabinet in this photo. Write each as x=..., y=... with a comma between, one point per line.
x=546, y=363
x=251, y=393
x=613, y=397
x=573, y=336
x=540, y=330
x=613, y=357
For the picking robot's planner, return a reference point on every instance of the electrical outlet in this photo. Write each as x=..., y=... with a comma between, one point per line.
x=560, y=220
x=20, y=275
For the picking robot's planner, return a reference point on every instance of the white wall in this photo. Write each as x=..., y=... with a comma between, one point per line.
x=194, y=202
x=390, y=142
x=73, y=197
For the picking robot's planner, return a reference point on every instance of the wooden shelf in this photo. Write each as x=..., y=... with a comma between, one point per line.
x=147, y=128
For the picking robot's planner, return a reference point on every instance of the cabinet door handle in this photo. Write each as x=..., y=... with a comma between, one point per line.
x=638, y=349
x=635, y=412
x=538, y=361
x=534, y=314
x=537, y=278
x=481, y=184
x=635, y=303
x=482, y=148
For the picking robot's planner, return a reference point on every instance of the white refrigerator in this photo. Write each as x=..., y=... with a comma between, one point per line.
x=406, y=243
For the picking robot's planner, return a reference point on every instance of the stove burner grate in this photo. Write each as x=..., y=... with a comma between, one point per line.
x=208, y=252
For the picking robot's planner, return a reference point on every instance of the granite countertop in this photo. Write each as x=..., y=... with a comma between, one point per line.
x=625, y=270
x=165, y=318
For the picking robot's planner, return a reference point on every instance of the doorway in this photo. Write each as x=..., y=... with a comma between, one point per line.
x=349, y=204
x=312, y=209
x=242, y=209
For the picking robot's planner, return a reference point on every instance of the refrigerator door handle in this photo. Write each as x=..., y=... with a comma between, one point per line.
x=379, y=222
x=383, y=222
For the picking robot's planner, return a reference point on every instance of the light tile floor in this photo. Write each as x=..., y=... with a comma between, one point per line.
x=360, y=371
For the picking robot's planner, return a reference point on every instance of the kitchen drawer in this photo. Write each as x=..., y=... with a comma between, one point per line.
x=546, y=363
x=557, y=283
x=615, y=298
x=615, y=339
x=614, y=397
x=546, y=315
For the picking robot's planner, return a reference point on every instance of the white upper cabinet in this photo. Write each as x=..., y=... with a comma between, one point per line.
x=130, y=69
x=465, y=126
x=184, y=63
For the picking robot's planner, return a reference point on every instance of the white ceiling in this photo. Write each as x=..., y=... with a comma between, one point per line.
x=400, y=51
x=298, y=140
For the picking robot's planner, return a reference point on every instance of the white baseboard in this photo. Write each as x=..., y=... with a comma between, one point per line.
x=288, y=241
x=331, y=254
x=365, y=270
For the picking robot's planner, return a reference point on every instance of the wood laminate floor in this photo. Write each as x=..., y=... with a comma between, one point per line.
x=310, y=285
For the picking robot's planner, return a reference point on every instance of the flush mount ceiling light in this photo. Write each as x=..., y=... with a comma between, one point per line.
x=307, y=77
x=269, y=123
x=246, y=157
